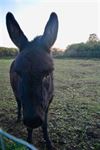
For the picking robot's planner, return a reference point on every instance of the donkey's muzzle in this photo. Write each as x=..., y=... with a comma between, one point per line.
x=33, y=123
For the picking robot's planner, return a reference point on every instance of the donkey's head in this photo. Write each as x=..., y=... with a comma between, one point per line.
x=34, y=66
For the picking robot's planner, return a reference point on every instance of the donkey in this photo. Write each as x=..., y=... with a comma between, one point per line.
x=31, y=75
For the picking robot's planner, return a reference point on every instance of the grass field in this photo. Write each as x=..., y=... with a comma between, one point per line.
x=74, y=115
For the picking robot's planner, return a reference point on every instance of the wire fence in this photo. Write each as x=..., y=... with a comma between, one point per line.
x=4, y=136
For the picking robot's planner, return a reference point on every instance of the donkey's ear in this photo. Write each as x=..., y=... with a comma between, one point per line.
x=51, y=30
x=15, y=32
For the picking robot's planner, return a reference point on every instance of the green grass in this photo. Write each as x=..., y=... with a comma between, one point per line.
x=9, y=145
x=74, y=115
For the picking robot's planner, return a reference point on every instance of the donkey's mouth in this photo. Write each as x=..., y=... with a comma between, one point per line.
x=35, y=123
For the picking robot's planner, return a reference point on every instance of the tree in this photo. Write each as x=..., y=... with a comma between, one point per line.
x=93, y=38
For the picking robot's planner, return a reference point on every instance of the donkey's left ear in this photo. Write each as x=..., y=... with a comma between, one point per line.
x=51, y=30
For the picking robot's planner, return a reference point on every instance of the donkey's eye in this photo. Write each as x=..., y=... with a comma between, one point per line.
x=47, y=73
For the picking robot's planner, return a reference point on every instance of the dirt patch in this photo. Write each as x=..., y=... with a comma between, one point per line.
x=86, y=65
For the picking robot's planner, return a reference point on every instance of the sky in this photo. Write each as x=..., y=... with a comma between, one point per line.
x=77, y=19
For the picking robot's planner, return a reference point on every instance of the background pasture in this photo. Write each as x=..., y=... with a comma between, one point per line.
x=74, y=115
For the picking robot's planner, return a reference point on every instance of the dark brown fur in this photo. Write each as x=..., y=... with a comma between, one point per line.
x=31, y=75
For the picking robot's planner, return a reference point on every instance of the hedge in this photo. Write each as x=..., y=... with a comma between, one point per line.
x=88, y=50
x=8, y=52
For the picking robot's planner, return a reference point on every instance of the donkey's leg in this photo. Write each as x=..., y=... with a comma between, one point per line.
x=19, y=110
x=49, y=144
x=29, y=137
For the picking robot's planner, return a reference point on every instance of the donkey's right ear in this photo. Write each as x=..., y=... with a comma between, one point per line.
x=15, y=32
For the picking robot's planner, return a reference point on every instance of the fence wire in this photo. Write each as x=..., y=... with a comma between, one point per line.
x=14, y=139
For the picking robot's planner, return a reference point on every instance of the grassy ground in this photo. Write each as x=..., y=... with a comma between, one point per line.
x=74, y=115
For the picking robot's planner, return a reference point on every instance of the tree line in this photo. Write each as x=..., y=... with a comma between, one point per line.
x=83, y=50
x=8, y=52
x=89, y=49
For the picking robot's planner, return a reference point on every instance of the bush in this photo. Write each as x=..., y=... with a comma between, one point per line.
x=56, y=52
x=88, y=50
x=8, y=52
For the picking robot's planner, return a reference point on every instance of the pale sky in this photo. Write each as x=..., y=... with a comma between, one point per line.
x=77, y=19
